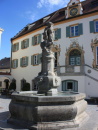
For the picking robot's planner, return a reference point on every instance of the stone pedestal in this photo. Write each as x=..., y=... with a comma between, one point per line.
x=48, y=112
x=47, y=79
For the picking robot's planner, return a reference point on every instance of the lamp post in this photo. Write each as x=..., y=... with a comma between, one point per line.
x=1, y=30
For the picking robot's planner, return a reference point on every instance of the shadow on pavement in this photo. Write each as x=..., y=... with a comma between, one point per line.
x=3, y=122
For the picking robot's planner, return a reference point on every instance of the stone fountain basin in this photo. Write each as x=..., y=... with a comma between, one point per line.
x=29, y=109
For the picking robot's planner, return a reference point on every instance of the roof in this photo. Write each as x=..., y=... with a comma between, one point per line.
x=89, y=6
x=5, y=63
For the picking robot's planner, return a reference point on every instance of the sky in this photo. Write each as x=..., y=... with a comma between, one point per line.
x=16, y=14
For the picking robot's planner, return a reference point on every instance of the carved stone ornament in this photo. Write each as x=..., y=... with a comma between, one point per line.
x=94, y=44
x=74, y=46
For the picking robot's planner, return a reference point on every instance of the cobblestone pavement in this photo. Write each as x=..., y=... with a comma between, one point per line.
x=90, y=124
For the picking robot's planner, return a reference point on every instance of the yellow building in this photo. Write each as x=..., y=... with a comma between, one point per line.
x=4, y=73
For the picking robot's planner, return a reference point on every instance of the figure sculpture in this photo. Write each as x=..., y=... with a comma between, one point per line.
x=46, y=79
x=47, y=36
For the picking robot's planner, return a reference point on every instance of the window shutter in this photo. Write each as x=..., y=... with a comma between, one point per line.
x=27, y=42
x=64, y=86
x=68, y=31
x=80, y=28
x=76, y=86
x=17, y=63
x=12, y=63
x=39, y=58
x=32, y=60
x=17, y=46
x=21, y=44
x=21, y=62
x=33, y=43
x=92, y=29
x=59, y=33
x=12, y=48
x=27, y=61
x=39, y=38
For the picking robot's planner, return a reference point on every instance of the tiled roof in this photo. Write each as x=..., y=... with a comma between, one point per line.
x=88, y=6
x=5, y=73
x=5, y=63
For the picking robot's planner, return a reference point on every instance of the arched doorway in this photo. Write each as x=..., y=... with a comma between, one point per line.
x=6, y=81
x=75, y=57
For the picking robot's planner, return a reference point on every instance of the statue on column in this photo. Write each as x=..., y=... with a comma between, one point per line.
x=47, y=36
x=47, y=79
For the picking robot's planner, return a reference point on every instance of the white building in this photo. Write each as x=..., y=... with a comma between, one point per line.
x=76, y=32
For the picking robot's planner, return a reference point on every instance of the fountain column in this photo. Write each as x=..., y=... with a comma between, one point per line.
x=47, y=81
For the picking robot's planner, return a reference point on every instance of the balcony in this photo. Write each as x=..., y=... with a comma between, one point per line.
x=69, y=70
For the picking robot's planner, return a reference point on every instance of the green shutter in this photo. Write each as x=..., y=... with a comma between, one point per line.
x=27, y=61
x=17, y=63
x=64, y=86
x=27, y=42
x=68, y=31
x=92, y=29
x=59, y=33
x=31, y=60
x=21, y=44
x=76, y=86
x=80, y=28
x=17, y=46
x=33, y=43
x=12, y=48
x=39, y=38
x=21, y=62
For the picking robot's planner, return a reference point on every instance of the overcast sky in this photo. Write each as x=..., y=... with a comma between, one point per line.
x=16, y=14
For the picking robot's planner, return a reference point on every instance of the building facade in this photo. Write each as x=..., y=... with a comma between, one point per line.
x=4, y=73
x=76, y=59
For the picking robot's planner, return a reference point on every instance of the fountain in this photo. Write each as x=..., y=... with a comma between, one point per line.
x=48, y=109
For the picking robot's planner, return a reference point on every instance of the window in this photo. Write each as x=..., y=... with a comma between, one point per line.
x=97, y=54
x=94, y=46
x=93, y=26
x=0, y=83
x=36, y=39
x=36, y=59
x=70, y=85
x=23, y=81
x=15, y=47
x=15, y=63
x=24, y=61
x=74, y=57
x=72, y=31
x=34, y=86
x=57, y=34
x=25, y=44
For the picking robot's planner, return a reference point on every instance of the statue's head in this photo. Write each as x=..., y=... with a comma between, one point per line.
x=49, y=24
